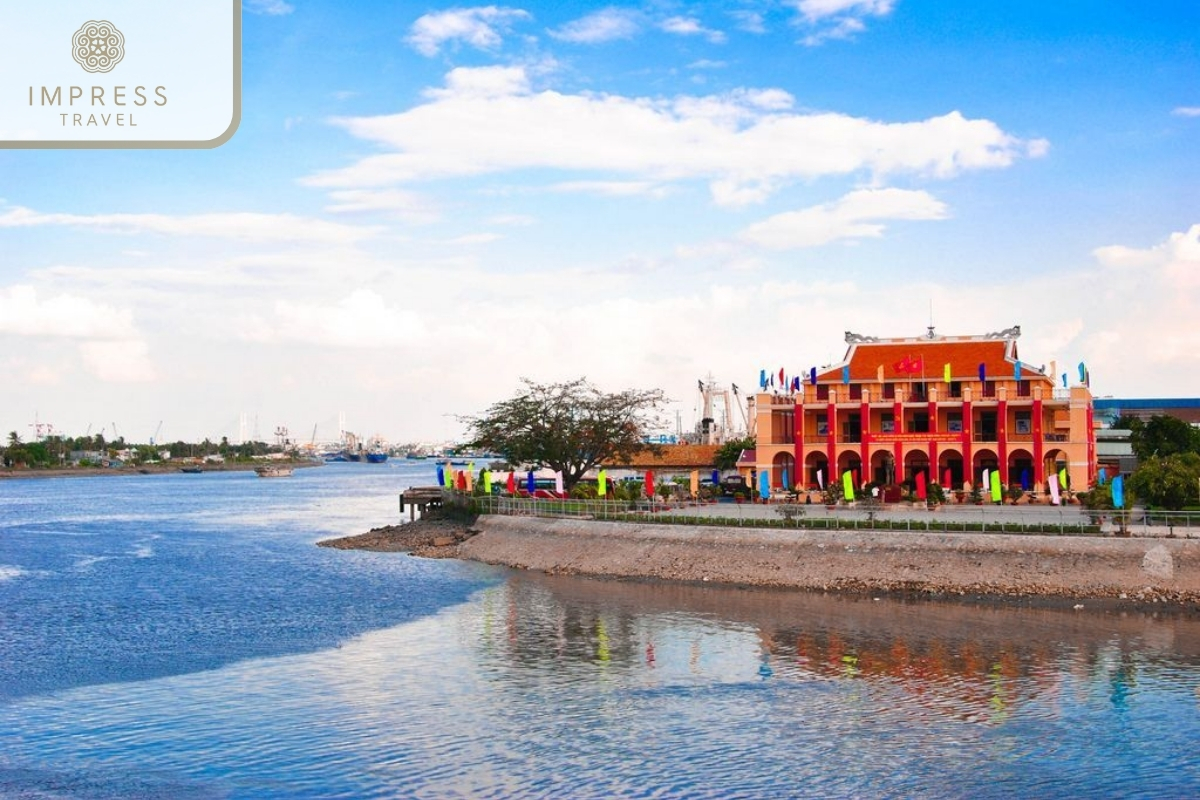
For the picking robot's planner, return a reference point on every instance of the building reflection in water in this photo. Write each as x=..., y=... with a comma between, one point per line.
x=974, y=663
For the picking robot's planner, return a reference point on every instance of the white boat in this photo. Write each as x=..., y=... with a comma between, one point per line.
x=273, y=472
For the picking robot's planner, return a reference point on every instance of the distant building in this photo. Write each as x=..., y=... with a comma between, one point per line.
x=888, y=412
x=670, y=460
x=1108, y=409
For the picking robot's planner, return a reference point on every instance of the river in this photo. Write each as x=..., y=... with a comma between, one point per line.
x=180, y=636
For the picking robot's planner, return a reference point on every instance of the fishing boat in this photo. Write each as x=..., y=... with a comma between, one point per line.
x=377, y=457
x=192, y=470
x=273, y=471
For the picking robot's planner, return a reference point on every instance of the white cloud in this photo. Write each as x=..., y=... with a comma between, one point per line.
x=24, y=312
x=250, y=227
x=480, y=27
x=706, y=63
x=741, y=139
x=362, y=319
x=270, y=7
x=118, y=361
x=690, y=26
x=838, y=19
x=605, y=25
x=612, y=188
x=1186, y=111
x=858, y=215
x=405, y=205
x=516, y=220
x=750, y=21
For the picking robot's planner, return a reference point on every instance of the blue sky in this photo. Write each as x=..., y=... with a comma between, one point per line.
x=425, y=203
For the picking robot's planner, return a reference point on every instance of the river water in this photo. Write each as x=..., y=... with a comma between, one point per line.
x=179, y=636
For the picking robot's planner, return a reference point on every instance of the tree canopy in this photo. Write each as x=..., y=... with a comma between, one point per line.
x=1169, y=482
x=569, y=427
x=1164, y=435
x=728, y=453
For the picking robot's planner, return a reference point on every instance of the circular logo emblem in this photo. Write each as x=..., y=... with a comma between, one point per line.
x=98, y=46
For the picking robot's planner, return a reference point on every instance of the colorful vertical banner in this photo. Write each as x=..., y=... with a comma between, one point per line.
x=530, y=482
x=468, y=480
x=602, y=484
x=982, y=373
x=785, y=483
x=946, y=478
x=716, y=477
x=511, y=484
x=1055, y=496
x=812, y=376
x=848, y=485
x=441, y=475
x=695, y=483
x=1082, y=372
x=558, y=481
x=846, y=374
x=922, y=493
x=1064, y=379
x=762, y=379
x=649, y=484
x=1017, y=371
x=764, y=484
x=821, y=479
x=997, y=489
x=487, y=481
x=1025, y=479
x=1118, y=492
x=462, y=480
x=1064, y=479
x=1102, y=477
x=946, y=373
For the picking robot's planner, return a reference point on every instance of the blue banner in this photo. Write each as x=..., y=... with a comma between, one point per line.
x=1118, y=492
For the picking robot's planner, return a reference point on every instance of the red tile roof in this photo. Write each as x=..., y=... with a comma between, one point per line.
x=913, y=359
x=691, y=456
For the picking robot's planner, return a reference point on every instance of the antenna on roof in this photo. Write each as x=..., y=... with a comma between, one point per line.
x=930, y=334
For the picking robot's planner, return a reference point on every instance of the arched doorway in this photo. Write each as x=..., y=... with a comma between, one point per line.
x=916, y=462
x=850, y=460
x=814, y=463
x=1020, y=468
x=984, y=459
x=783, y=472
x=883, y=467
x=1053, y=461
x=950, y=469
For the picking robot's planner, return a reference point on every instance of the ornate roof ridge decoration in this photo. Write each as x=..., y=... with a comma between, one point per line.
x=1008, y=333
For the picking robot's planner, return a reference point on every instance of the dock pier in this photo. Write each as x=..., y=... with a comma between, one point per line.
x=420, y=498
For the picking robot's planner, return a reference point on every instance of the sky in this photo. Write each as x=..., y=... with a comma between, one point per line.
x=424, y=204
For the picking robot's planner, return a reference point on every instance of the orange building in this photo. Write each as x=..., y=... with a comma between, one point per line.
x=948, y=406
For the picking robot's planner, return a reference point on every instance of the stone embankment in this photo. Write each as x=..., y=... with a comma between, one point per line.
x=1145, y=570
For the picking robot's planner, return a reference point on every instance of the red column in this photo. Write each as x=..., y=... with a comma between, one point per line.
x=1091, y=447
x=831, y=443
x=1002, y=440
x=1039, y=468
x=798, y=442
x=898, y=448
x=864, y=417
x=934, y=477
x=967, y=435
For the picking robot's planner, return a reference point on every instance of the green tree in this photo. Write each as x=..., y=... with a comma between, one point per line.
x=1164, y=435
x=570, y=427
x=14, y=439
x=728, y=453
x=1167, y=481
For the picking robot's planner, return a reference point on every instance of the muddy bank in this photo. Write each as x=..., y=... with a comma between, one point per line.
x=1152, y=571
x=146, y=469
x=428, y=537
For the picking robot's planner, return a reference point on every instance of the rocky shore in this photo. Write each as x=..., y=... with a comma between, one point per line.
x=1154, y=573
x=429, y=537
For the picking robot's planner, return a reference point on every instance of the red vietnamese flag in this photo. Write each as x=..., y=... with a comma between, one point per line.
x=649, y=484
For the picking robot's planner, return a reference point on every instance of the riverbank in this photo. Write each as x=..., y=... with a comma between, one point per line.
x=428, y=537
x=146, y=469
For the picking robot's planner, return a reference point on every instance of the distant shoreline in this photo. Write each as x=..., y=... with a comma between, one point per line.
x=147, y=469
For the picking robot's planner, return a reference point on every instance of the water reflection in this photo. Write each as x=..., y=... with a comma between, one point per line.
x=977, y=664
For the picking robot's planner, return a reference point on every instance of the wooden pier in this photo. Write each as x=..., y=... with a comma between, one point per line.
x=420, y=498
